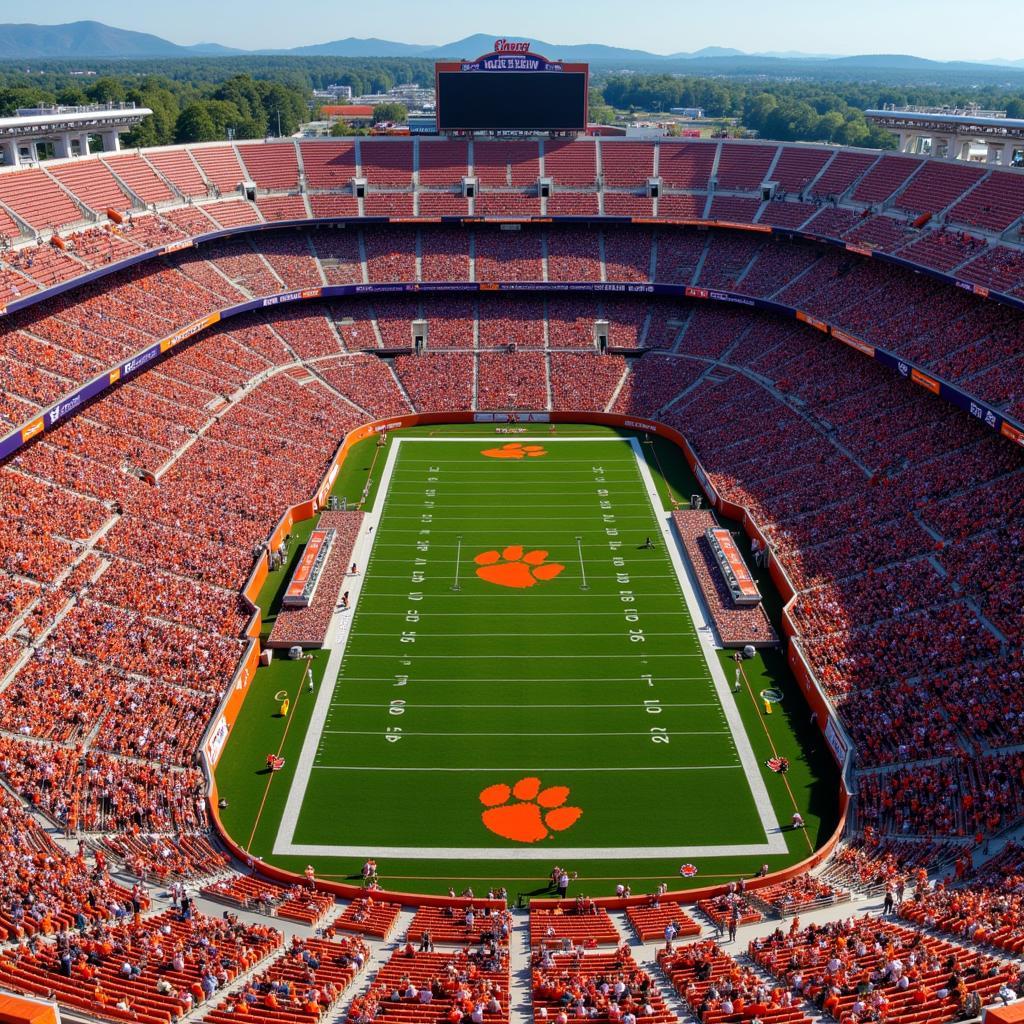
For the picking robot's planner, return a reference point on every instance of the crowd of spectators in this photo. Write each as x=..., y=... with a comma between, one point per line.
x=987, y=910
x=298, y=902
x=871, y=969
x=570, y=322
x=303, y=984
x=581, y=380
x=163, y=858
x=120, y=967
x=510, y=320
x=574, y=254
x=716, y=987
x=596, y=986
x=508, y=255
x=432, y=986
x=438, y=381
x=511, y=381
x=801, y=893
x=958, y=796
x=43, y=889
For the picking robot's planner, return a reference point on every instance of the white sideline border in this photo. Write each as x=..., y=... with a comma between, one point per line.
x=706, y=635
x=340, y=627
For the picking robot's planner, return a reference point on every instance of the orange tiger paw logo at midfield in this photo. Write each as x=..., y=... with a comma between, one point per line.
x=535, y=816
x=515, y=450
x=512, y=568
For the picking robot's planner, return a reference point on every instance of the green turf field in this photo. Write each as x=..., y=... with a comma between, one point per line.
x=510, y=626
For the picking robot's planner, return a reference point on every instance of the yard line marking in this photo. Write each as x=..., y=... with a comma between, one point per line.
x=533, y=597
x=775, y=753
x=463, y=707
x=512, y=514
x=522, y=615
x=505, y=657
x=518, y=635
x=518, y=492
x=531, y=770
x=540, y=679
x=551, y=735
x=458, y=558
x=636, y=576
x=287, y=725
x=583, y=569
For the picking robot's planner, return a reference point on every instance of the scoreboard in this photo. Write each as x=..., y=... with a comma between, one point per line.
x=511, y=90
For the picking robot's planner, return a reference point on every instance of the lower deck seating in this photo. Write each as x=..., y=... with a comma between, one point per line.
x=437, y=988
x=164, y=857
x=459, y=925
x=302, y=984
x=720, y=991
x=596, y=986
x=170, y=958
x=801, y=892
x=553, y=928
x=867, y=964
x=367, y=916
x=650, y=920
x=722, y=908
x=294, y=903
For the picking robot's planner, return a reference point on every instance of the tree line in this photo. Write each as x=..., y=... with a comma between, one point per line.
x=795, y=111
x=211, y=98
x=205, y=99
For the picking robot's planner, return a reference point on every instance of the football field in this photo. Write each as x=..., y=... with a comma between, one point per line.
x=521, y=677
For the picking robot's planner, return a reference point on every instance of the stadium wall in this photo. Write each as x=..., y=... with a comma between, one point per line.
x=227, y=714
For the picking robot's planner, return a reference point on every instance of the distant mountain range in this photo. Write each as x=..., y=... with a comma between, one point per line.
x=93, y=39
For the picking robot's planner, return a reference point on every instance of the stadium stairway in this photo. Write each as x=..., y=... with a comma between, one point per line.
x=88, y=549
x=520, y=1001
x=646, y=957
x=380, y=954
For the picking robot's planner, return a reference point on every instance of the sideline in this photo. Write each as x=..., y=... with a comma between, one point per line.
x=339, y=629
x=702, y=620
x=284, y=736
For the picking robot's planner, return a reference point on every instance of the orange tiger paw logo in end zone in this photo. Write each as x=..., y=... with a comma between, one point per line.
x=537, y=814
x=515, y=450
x=512, y=568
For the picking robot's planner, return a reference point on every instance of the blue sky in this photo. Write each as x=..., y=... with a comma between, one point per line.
x=940, y=29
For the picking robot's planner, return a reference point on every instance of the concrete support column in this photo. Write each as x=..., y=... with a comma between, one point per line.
x=111, y=142
x=9, y=151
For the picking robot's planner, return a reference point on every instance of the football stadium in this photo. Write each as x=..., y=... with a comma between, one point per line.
x=510, y=573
